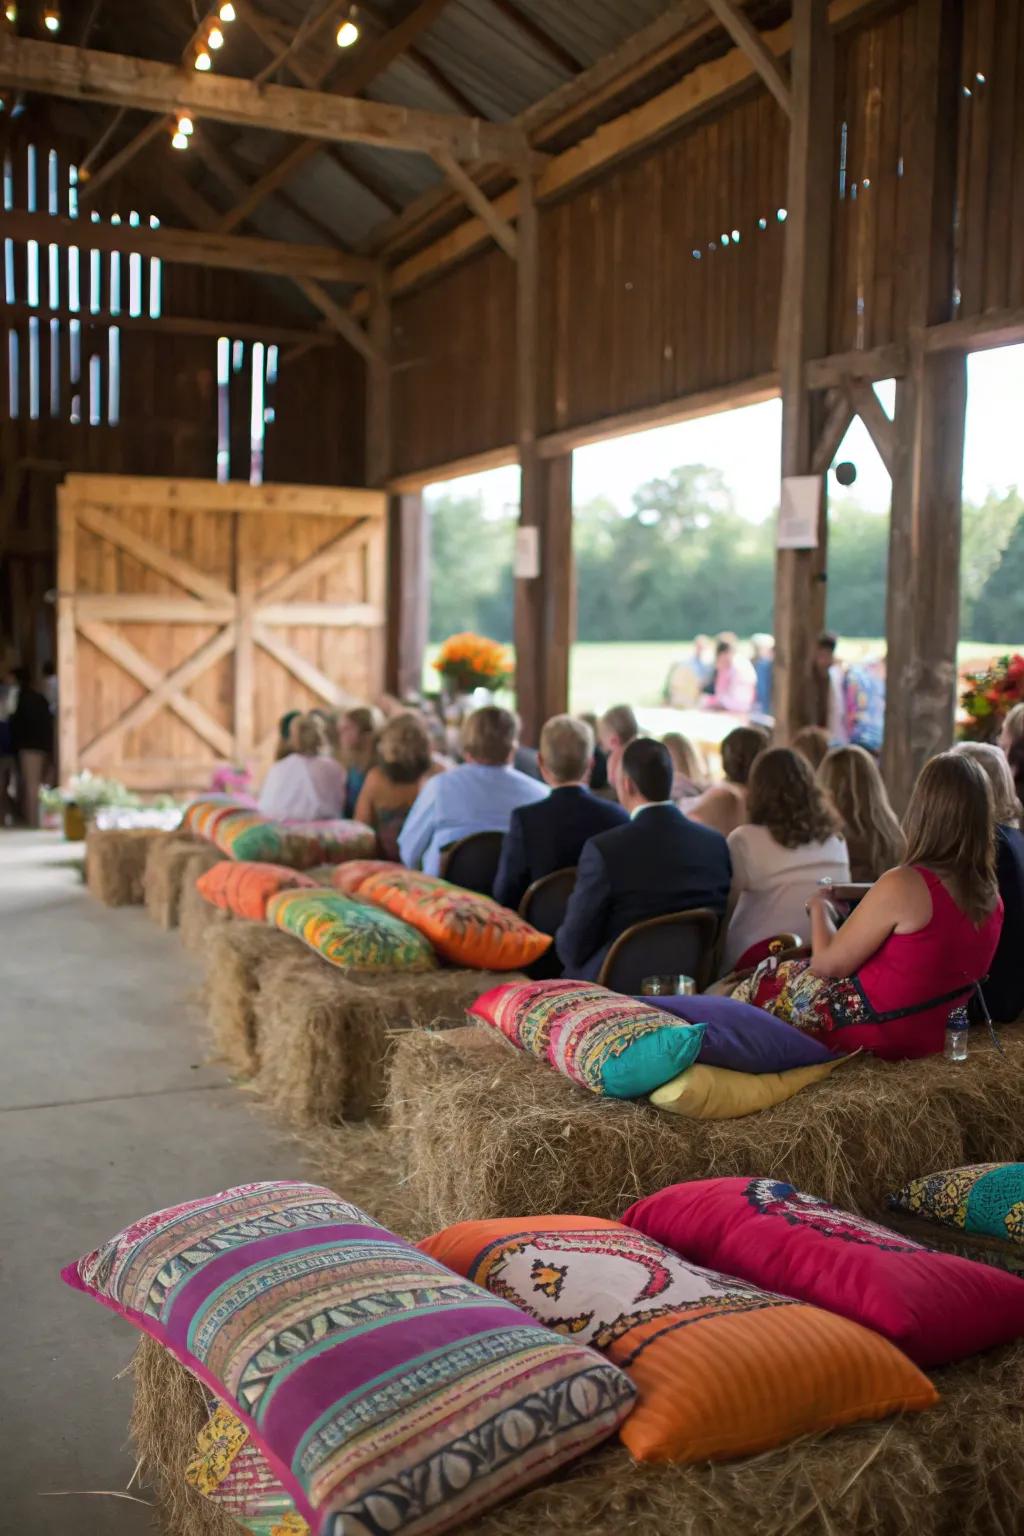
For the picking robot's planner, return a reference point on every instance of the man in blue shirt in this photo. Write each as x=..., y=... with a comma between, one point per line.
x=478, y=796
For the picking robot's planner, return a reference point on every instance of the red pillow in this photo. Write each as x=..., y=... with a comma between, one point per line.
x=244, y=888
x=936, y=1307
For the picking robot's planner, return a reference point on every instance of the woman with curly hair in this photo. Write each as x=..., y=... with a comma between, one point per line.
x=403, y=764
x=792, y=840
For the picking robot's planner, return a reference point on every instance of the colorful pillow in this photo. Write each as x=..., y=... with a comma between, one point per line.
x=385, y=1393
x=608, y=1043
x=743, y=1038
x=228, y=1469
x=721, y=1369
x=936, y=1307
x=985, y=1198
x=245, y=889
x=204, y=816
x=297, y=844
x=349, y=933
x=715, y=1093
x=463, y=927
x=348, y=877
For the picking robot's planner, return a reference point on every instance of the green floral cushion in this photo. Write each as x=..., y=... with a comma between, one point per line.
x=296, y=844
x=985, y=1198
x=349, y=933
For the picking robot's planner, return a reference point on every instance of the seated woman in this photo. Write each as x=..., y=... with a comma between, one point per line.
x=1011, y=740
x=791, y=841
x=1003, y=989
x=404, y=761
x=812, y=743
x=308, y=784
x=911, y=954
x=689, y=775
x=850, y=776
x=723, y=807
x=357, y=734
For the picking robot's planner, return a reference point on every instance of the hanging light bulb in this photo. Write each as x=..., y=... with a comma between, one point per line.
x=11, y=12
x=227, y=11
x=179, y=140
x=215, y=38
x=348, y=32
x=51, y=18
x=185, y=126
x=203, y=61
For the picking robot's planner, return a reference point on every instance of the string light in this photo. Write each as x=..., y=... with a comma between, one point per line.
x=227, y=11
x=215, y=38
x=179, y=140
x=11, y=12
x=51, y=18
x=203, y=61
x=348, y=32
x=185, y=126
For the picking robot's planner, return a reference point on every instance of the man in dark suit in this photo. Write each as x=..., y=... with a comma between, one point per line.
x=658, y=863
x=550, y=834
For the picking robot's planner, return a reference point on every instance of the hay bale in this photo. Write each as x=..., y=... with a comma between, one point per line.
x=238, y=956
x=952, y=1471
x=196, y=916
x=115, y=864
x=485, y=1131
x=164, y=872
x=328, y=1035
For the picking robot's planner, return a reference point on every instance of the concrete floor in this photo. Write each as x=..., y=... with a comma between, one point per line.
x=108, y=1110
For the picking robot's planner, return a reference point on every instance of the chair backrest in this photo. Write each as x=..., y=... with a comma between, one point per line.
x=679, y=944
x=545, y=902
x=472, y=862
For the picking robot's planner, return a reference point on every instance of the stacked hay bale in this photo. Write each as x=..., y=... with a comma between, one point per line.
x=196, y=916
x=115, y=864
x=238, y=956
x=165, y=873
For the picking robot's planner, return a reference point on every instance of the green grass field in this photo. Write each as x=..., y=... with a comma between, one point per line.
x=618, y=672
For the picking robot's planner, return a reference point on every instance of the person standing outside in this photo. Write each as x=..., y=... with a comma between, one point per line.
x=830, y=690
x=734, y=689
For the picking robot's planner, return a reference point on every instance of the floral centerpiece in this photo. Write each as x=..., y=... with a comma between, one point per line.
x=471, y=661
x=78, y=801
x=990, y=695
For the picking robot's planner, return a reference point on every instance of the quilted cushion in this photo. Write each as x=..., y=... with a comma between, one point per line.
x=721, y=1368
x=463, y=927
x=349, y=933
x=204, y=816
x=935, y=1306
x=715, y=1093
x=244, y=889
x=608, y=1043
x=348, y=877
x=385, y=1392
x=297, y=844
x=985, y=1198
x=742, y=1037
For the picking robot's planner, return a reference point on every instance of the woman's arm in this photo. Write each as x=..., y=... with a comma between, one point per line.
x=364, y=805
x=892, y=902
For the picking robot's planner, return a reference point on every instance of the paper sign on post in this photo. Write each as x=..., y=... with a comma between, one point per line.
x=799, y=511
x=527, y=556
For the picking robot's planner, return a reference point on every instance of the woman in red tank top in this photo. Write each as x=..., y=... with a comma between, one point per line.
x=915, y=947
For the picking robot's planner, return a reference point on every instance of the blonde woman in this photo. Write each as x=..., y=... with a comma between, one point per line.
x=1004, y=987
x=912, y=953
x=1011, y=740
x=357, y=735
x=689, y=773
x=850, y=777
x=308, y=784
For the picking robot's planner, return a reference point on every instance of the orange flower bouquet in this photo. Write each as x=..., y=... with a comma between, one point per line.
x=471, y=661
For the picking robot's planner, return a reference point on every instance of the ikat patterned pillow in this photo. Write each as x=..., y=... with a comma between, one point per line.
x=386, y=1393
x=464, y=928
x=204, y=816
x=986, y=1199
x=297, y=844
x=350, y=933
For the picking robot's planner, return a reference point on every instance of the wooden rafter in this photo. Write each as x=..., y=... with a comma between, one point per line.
x=480, y=204
x=872, y=413
x=746, y=36
x=839, y=414
x=539, y=35
x=239, y=253
x=87, y=75
x=181, y=325
x=343, y=322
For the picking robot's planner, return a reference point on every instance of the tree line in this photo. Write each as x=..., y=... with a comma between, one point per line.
x=683, y=561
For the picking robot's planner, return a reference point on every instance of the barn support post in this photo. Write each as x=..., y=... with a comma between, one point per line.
x=923, y=609
x=800, y=574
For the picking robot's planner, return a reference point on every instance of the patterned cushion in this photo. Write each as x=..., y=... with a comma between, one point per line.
x=715, y=1093
x=986, y=1198
x=244, y=889
x=348, y=877
x=721, y=1368
x=298, y=844
x=743, y=1038
x=936, y=1307
x=228, y=1469
x=386, y=1393
x=463, y=927
x=349, y=933
x=204, y=816
x=608, y=1043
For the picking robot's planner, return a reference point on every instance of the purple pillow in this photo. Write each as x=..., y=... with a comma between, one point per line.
x=742, y=1037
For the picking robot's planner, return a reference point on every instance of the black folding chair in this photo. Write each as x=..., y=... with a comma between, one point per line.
x=472, y=862
x=543, y=907
x=679, y=944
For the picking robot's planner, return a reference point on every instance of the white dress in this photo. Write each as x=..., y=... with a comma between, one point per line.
x=299, y=788
x=773, y=885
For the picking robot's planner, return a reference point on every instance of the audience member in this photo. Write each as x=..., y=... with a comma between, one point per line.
x=830, y=689
x=550, y=834
x=286, y=734
x=734, y=686
x=308, y=784
x=723, y=807
x=616, y=728
x=598, y=780
x=812, y=743
x=763, y=647
x=689, y=772
x=357, y=734
x=8, y=760
x=656, y=863
x=1003, y=988
x=865, y=703
x=1011, y=739
x=917, y=945
x=478, y=796
x=403, y=761
x=874, y=840
x=792, y=840
x=689, y=679
x=31, y=725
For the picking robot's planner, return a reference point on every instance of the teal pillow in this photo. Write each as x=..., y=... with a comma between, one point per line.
x=984, y=1198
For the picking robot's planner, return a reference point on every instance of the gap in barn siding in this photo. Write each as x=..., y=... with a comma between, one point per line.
x=95, y=391
x=223, y=410
x=113, y=376
x=55, y=369
x=12, y=374
x=33, y=367
x=257, y=425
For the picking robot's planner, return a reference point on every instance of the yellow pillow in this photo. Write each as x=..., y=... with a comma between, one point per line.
x=715, y=1093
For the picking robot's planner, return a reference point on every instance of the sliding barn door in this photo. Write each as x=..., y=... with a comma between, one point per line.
x=192, y=615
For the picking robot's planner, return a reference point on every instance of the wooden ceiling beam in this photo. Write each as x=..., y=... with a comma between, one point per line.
x=181, y=325
x=746, y=36
x=87, y=75
x=239, y=253
x=481, y=205
x=539, y=35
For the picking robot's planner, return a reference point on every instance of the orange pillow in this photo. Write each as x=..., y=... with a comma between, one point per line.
x=347, y=878
x=244, y=889
x=723, y=1369
x=463, y=927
